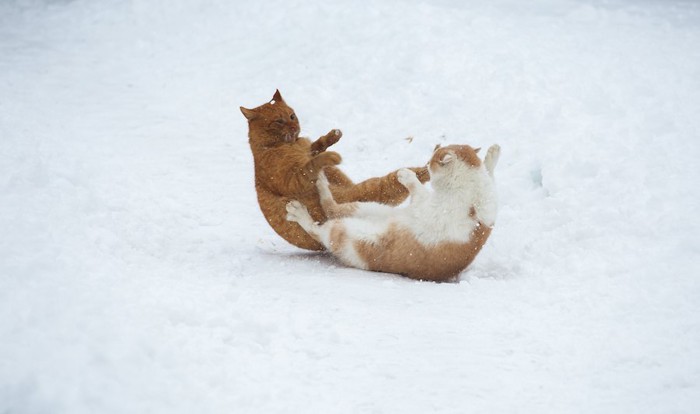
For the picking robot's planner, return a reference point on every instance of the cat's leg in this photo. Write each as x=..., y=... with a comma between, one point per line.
x=415, y=188
x=317, y=163
x=330, y=207
x=491, y=158
x=332, y=234
x=298, y=213
x=337, y=178
x=384, y=190
x=274, y=209
x=325, y=141
x=302, y=180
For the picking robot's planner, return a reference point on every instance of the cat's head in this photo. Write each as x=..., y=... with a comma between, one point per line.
x=452, y=160
x=273, y=123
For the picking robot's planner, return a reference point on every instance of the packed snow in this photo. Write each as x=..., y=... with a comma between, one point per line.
x=137, y=273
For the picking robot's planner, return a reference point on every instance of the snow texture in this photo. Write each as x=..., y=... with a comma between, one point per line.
x=138, y=275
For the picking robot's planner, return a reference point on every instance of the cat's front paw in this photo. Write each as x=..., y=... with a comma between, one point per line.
x=406, y=177
x=296, y=211
x=326, y=141
x=494, y=151
x=327, y=159
x=332, y=137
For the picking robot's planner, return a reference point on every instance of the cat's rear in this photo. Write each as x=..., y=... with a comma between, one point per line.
x=435, y=237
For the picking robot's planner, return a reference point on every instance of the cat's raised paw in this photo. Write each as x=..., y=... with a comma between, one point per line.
x=333, y=137
x=491, y=158
x=494, y=150
x=422, y=174
x=406, y=176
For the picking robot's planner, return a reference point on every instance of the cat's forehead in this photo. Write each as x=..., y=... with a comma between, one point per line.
x=464, y=152
x=275, y=108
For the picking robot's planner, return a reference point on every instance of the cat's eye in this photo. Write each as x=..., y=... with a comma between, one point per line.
x=292, y=117
x=279, y=121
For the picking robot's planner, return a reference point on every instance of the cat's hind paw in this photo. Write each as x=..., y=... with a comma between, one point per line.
x=297, y=212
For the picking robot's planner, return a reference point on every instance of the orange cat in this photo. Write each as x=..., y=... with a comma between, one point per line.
x=287, y=166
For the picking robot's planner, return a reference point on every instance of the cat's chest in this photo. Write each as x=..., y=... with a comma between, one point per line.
x=442, y=220
x=283, y=158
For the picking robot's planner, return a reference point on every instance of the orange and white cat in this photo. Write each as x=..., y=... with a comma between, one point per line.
x=436, y=236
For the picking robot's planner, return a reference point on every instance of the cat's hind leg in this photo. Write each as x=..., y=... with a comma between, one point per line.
x=330, y=207
x=491, y=158
x=408, y=179
x=323, y=233
x=298, y=213
x=336, y=178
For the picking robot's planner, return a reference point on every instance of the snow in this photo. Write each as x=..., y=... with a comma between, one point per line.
x=138, y=275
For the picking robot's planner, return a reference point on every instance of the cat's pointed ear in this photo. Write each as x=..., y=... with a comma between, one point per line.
x=476, y=150
x=277, y=97
x=437, y=147
x=446, y=158
x=248, y=113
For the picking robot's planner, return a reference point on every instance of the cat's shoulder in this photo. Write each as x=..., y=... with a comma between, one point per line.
x=303, y=142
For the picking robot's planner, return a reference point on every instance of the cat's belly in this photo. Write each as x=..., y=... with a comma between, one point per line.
x=425, y=231
x=400, y=250
x=432, y=232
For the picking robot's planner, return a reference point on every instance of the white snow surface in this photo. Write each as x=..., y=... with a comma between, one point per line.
x=137, y=273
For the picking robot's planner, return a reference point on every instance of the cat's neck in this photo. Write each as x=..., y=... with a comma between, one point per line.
x=260, y=146
x=458, y=185
x=262, y=140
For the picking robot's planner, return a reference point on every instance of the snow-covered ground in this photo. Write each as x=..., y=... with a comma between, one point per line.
x=138, y=275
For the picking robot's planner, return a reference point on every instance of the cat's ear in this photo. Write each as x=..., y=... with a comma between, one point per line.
x=437, y=147
x=476, y=150
x=446, y=158
x=248, y=113
x=277, y=97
